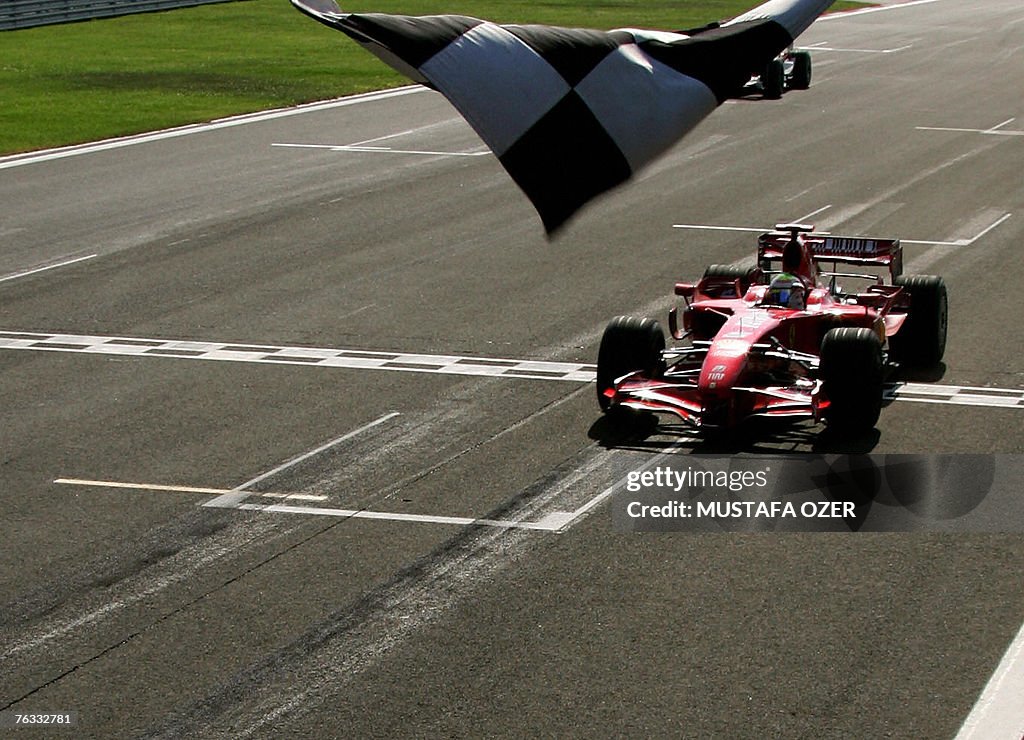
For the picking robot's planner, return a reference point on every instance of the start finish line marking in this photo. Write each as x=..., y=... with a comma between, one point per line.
x=357, y=359
x=354, y=359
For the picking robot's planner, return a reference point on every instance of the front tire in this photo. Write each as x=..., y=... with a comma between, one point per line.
x=773, y=79
x=921, y=341
x=628, y=345
x=800, y=77
x=851, y=371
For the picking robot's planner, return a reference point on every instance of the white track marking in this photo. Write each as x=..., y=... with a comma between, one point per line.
x=372, y=145
x=859, y=51
x=998, y=126
x=400, y=611
x=556, y=521
x=180, y=489
x=750, y=229
x=485, y=367
x=550, y=523
x=987, y=132
x=568, y=519
x=180, y=568
x=310, y=356
x=381, y=150
x=997, y=130
x=408, y=132
x=984, y=232
x=999, y=712
x=21, y=160
x=56, y=265
x=234, y=497
x=545, y=525
x=812, y=214
x=877, y=9
x=956, y=395
x=964, y=242
x=553, y=521
x=709, y=227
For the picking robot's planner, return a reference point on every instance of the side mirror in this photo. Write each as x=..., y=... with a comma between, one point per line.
x=686, y=290
x=673, y=325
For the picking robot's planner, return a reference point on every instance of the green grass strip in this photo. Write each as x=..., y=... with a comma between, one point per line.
x=99, y=79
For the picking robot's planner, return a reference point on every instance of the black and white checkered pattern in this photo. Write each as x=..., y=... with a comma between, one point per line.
x=571, y=113
x=361, y=359
x=1010, y=398
x=353, y=359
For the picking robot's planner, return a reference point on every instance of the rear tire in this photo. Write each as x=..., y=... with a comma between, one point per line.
x=800, y=78
x=747, y=275
x=773, y=79
x=851, y=370
x=629, y=344
x=921, y=341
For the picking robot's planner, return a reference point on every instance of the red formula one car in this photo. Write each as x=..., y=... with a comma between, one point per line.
x=782, y=340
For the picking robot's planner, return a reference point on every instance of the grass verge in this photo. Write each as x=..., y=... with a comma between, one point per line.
x=99, y=79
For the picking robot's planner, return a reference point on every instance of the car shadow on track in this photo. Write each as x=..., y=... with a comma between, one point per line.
x=645, y=432
x=876, y=492
x=932, y=374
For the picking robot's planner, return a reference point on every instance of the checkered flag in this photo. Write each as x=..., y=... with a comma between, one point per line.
x=571, y=113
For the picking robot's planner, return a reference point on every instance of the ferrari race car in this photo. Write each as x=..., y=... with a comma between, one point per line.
x=789, y=71
x=780, y=340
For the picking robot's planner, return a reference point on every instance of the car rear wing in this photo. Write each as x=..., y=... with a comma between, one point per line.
x=847, y=250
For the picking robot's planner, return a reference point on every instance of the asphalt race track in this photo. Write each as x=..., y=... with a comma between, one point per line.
x=297, y=436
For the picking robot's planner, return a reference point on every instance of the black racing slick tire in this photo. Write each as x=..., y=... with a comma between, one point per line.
x=921, y=341
x=773, y=80
x=746, y=274
x=800, y=77
x=851, y=372
x=629, y=344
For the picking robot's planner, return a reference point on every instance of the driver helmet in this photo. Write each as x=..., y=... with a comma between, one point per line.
x=786, y=290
